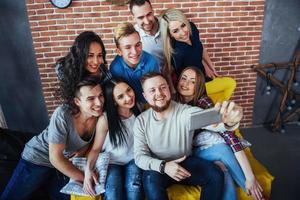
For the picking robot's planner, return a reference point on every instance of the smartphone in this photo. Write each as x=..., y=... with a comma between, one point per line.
x=205, y=117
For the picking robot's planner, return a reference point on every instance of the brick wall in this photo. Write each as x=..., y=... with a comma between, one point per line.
x=230, y=30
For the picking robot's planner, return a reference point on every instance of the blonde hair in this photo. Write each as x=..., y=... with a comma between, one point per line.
x=164, y=20
x=123, y=30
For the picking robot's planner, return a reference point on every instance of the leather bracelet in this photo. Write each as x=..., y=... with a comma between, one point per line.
x=162, y=167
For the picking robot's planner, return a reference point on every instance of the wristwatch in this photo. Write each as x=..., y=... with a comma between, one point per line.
x=162, y=167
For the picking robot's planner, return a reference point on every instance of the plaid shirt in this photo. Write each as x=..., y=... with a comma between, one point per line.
x=230, y=138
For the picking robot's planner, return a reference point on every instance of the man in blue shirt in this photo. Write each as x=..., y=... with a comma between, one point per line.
x=132, y=62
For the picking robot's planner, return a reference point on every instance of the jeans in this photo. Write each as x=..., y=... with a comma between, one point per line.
x=29, y=177
x=204, y=173
x=124, y=182
x=222, y=152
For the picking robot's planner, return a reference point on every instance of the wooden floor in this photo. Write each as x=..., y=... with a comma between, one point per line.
x=280, y=153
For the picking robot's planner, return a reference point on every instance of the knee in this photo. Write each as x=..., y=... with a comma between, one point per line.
x=152, y=180
x=113, y=191
x=134, y=188
x=134, y=183
x=113, y=186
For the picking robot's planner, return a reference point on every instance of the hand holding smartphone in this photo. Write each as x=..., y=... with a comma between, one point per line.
x=202, y=118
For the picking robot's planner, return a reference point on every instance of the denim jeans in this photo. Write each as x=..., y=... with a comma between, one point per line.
x=222, y=152
x=204, y=173
x=29, y=177
x=124, y=182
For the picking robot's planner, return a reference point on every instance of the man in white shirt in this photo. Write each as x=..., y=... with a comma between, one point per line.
x=148, y=27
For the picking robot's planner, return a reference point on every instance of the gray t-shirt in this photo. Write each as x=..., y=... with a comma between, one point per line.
x=61, y=130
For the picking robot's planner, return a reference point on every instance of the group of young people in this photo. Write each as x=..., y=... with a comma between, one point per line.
x=161, y=65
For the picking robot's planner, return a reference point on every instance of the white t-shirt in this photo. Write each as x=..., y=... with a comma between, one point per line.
x=122, y=154
x=152, y=44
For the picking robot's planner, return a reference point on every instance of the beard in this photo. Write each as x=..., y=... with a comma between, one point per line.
x=148, y=27
x=161, y=108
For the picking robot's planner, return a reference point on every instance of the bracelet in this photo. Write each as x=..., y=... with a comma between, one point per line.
x=162, y=167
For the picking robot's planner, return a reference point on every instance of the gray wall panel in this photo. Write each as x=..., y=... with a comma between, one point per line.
x=21, y=94
x=280, y=39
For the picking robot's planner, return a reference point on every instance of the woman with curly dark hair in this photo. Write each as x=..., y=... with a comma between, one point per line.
x=86, y=57
x=45, y=158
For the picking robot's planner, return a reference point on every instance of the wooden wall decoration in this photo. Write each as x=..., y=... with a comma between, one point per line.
x=289, y=103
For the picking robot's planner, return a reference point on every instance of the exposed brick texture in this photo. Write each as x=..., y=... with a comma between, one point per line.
x=230, y=30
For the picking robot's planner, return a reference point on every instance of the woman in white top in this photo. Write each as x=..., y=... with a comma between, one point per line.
x=114, y=134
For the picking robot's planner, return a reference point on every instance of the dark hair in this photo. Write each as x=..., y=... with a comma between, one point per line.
x=71, y=69
x=199, y=84
x=150, y=75
x=117, y=129
x=137, y=3
x=67, y=95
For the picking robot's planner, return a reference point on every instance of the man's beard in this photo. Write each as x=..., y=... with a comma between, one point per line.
x=162, y=108
x=148, y=29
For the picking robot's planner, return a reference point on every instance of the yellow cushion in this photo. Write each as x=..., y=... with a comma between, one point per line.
x=75, y=197
x=220, y=88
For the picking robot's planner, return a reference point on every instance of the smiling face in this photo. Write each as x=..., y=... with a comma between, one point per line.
x=130, y=48
x=157, y=93
x=144, y=17
x=94, y=59
x=124, y=96
x=186, y=83
x=90, y=100
x=179, y=31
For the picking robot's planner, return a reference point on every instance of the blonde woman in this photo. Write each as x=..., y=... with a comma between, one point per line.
x=183, y=47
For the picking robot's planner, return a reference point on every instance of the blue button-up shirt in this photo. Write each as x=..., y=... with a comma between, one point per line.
x=120, y=69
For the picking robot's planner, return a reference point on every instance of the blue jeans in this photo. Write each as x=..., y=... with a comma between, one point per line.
x=29, y=177
x=204, y=173
x=124, y=182
x=222, y=152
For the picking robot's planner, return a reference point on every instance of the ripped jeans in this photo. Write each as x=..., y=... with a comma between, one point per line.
x=124, y=182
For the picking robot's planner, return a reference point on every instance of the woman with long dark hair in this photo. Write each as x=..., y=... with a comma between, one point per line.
x=211, y=145
x=87, y=56
x=115, y=135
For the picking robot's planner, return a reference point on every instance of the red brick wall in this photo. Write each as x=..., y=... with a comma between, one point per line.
x=230, y=30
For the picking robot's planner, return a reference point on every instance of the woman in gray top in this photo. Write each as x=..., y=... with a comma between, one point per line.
x=71, y=129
